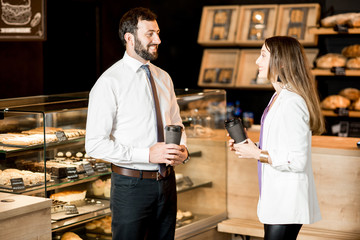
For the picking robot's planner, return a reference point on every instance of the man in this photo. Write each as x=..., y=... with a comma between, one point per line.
x=125, y=127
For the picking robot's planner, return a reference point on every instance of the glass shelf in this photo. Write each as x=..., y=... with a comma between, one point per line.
x=13, y=151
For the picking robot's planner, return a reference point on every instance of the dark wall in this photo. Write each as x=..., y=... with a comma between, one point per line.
x=82, y=41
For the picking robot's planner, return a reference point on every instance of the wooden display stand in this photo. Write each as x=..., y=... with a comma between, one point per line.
x=219, y=67
x=218, y=25
x=255, y=24
x=336, y=164
x=24, y=217
x=248, y=71
x=296, y=19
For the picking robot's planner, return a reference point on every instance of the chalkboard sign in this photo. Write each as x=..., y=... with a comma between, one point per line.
x=71, y=173
x=17, y=184
x=22, y=20
x=88, y=169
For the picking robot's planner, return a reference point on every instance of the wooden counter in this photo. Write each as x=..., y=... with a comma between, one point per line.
x=336, y=164
x=24, y=217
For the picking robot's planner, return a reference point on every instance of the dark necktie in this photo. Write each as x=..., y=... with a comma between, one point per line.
x=160, y=127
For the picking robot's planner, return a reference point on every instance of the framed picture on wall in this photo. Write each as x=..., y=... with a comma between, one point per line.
x=255, y=24
x=218, y=25
x=22, y=20
x=218, y=67
x=295, y=20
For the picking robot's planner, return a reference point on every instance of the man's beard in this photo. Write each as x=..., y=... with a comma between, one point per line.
x=144, y=53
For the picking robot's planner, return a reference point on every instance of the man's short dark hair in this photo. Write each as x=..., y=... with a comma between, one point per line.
x=129, y=21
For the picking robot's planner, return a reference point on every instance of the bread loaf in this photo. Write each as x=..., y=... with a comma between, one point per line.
x=331, y=60
x=70, y=236
x=335, y=101
x=351, y=51
x=351, y=19
x=353, y=63
x=352, y=94
x=356, y=105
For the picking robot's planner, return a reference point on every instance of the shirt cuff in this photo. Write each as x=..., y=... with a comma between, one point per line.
x=140, y=155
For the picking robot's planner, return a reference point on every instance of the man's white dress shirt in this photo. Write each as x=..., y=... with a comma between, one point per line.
x=121, y=120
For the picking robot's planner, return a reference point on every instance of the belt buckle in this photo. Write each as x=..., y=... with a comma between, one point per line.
x=158, y=176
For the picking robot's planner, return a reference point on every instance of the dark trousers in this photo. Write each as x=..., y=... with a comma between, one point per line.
x=143, y=208
x=281, y=231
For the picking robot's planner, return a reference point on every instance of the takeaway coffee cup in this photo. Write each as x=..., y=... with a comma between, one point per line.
x=236, y=130
x=173, y=134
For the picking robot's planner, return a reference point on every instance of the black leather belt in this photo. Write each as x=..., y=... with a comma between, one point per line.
x=141, y=173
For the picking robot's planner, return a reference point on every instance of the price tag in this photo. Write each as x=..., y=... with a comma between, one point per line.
x=342, y=112
x=17, y=184
x=71, y=209
x=61, y=136
x=71, y=173
x=339, y=71
x=341, y=28
x=101, y=167
x=88, y=169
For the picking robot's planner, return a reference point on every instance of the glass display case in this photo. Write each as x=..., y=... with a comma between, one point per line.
x=201, y=182
x=42, y=153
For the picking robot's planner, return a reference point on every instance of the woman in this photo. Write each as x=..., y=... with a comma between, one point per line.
x=287, y=189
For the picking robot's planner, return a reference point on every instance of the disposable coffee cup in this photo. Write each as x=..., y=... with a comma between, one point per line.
x=236, y=130
x=173, y=134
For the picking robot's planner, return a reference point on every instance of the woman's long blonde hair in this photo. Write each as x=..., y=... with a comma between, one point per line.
x=289, y=62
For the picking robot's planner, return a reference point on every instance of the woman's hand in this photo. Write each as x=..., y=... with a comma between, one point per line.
x=247, y=149
x=231, y=144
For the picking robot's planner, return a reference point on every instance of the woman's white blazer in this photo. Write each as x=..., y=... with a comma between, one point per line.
x=288, y=193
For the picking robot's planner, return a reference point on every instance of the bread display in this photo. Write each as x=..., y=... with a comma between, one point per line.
x=26, y=140
x=335, y=101
x=331, y=60
x=100, y=228
x=70, y=236
x=69, y=196
x=29, y=178
x=351, y=19
x=351, y=51
x=353, y=63
x=352, y=94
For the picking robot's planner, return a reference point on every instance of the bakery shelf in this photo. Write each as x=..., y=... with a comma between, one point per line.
x=327, y=72
x=56, y=185
x=80, y=219
x=196, y=184
x=19, y=151
x=331, y=31
x=331, y=113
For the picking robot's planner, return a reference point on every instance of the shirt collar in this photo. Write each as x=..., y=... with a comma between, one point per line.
x=132, y=62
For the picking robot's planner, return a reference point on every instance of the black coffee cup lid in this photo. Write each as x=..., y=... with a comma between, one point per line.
x=173, y=128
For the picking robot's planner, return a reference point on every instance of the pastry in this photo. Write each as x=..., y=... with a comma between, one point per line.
x=352, y=94
x=335, y=101
x=356, y=105
x=351, y=51
x=98, y=187
x=70, y=236
x=40, y=130
x=69, y=196
x=350, y=19
x=353, y=63
x=331, y=60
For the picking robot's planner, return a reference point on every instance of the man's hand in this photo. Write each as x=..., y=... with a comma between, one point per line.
x=170, y=154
